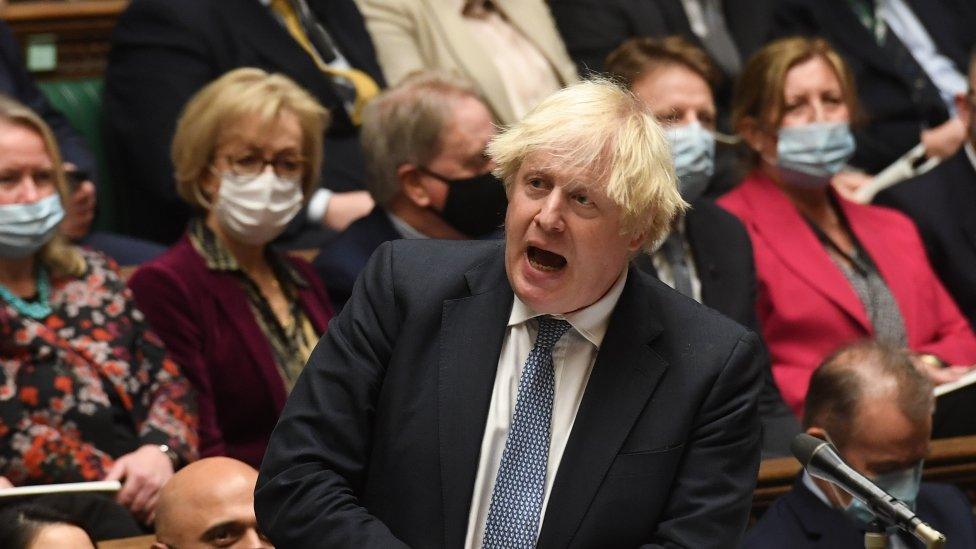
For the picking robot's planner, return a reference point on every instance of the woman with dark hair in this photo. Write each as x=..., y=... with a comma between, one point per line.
x=829, y=271
x=36, y=527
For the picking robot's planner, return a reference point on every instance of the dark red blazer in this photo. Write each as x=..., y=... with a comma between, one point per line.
x=204, y=318
x=806, y=306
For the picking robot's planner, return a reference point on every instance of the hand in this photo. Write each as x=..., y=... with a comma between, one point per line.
x=344, y=208
x=5, y=483
x=937, y=374
x=143, y=473
x=847, y=183
x=79, y=212
x=945, y=139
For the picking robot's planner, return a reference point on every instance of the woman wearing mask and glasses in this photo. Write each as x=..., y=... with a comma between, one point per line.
x=86, y=390
x=240, y=318
x=829, y=271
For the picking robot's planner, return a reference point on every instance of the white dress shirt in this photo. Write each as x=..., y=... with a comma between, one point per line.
x=572, y=357
x=902, y=21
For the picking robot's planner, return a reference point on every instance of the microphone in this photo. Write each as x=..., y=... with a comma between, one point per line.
x=821, y=460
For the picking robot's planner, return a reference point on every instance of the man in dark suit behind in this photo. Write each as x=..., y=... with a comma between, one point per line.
x=164, y=51
x=707, y=254
x=536, y=392
x=906, y=72
x=424, y=142
x=876, y=408
x=941, y=203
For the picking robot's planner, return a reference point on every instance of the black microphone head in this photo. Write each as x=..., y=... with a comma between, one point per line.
x=804, y=446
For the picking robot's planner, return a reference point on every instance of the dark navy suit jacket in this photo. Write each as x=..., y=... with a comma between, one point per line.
x=378, y=444
x=942, y=204
x=164, y=51
x=799, y=520
x=17, y=83
x=341, y=261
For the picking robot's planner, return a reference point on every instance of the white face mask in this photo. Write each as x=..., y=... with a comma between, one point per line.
x=256, y=210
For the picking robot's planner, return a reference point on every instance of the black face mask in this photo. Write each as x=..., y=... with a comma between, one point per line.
x=476, y=205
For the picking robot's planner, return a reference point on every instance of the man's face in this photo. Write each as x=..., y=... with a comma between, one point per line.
x=884, y=440
x=462, y=149
x=219, y=514
x=677, y=96
x=563, y=247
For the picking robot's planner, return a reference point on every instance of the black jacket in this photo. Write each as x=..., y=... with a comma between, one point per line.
x=164, y=51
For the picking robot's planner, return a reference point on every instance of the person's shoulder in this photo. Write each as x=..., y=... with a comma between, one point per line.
x=450, y=255
x=778, y=527
x=923, y=192
x=707, y=210
x=179, y=261
x=187, y=12
x=686, y=321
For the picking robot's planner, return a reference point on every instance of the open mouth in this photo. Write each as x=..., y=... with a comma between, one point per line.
x=545, y=260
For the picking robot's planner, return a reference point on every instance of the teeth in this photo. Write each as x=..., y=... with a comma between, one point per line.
x=542, y=267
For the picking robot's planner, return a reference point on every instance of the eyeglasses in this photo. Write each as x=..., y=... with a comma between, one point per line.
x=250, y=166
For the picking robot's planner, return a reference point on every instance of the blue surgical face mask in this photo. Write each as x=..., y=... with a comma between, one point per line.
x=693, y=150
x=24, y=228
x=809, y=155
x=902, y=485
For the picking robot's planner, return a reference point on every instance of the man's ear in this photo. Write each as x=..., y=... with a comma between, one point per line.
x=817, y=432
x=158, y=545
x=636, y=243
x=412, y=186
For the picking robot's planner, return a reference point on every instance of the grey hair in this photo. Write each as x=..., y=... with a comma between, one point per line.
x=403, y=125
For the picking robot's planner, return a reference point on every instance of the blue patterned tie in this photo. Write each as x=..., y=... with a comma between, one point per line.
x=516, y=501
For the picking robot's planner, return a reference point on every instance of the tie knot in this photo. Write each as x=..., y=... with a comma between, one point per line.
x=550, y=330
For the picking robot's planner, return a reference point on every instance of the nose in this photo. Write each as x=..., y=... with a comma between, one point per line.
x=550, y=214
x=29, y=190
x=819, y=111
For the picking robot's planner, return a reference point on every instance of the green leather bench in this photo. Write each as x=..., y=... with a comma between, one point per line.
x=81, y=103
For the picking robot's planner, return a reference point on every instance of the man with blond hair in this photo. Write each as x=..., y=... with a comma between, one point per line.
x=534, y=392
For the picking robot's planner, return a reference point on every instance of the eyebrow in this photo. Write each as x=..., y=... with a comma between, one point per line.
x=211, y=532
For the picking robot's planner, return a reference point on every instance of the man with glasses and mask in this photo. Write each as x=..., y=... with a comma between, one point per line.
x=941, y=204
x=707, y=254
x=875, y=407
x=424, y=142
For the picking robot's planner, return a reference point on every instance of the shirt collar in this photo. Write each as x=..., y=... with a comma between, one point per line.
x=970, y=152
x=591, y=321
x=815, y=489
x=405, y=229
x=218, y=258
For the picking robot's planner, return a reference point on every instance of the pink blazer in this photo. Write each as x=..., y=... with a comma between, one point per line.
x=805, y=305
x=207, y=325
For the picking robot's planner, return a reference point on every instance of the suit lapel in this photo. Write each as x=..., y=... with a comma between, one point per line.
x=231, y=298
x=626, y=372
x=472, y=331
x=271, y=41
x=446, y=19
x=785, y=232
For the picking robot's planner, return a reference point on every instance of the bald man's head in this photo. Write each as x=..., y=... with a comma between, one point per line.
x=209, y=503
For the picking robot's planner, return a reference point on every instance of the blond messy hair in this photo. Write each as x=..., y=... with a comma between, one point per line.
x=236, y=95
x=609, y=134
x=57, y=254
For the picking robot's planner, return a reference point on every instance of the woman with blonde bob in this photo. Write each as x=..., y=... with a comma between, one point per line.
x=240, y=318
x=86, y=390
x=829, y=271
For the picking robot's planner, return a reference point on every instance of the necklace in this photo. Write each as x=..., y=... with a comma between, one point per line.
x=39, y=309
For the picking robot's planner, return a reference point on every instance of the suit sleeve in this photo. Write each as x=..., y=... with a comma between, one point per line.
x=391, y=25
x=158, y=61
x=711, y=497
x=164, y=300
x=73, y=147
x=314, y=470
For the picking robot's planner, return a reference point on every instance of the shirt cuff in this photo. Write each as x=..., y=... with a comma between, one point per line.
x=318, y=205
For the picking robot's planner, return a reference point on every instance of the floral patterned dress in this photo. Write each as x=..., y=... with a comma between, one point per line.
x=87, y=384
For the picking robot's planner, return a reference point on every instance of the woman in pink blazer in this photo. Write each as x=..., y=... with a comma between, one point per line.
x=829, y=271
x=240, y=318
